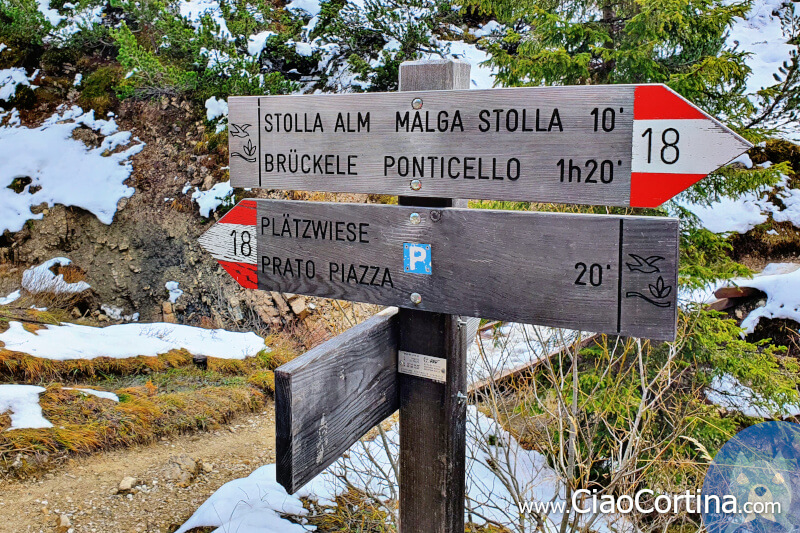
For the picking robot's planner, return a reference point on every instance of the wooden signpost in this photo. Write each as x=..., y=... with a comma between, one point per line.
x=624, y=145
x=331, y=396
x=430, y=143
x=620, y=272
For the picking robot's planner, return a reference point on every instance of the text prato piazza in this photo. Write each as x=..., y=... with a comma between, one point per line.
x=424, y=166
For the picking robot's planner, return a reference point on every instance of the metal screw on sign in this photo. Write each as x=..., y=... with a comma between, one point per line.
x=416, y=298
x=416, y=103
x=416, y=185
x=414, y=218
x=436, y=216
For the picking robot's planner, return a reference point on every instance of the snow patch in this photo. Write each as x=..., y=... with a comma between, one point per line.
x=216, y=108
x=493, y=457
x=174, y=291
x=513, y=345
x=726, y=391
x=253, y=504
x=312, y=7
x=52, y=15
x=10, y=79
x=41, y=279
x=13, y=297
x=23, y=402
x=62, y=169
x=121, y=341
x=728, y=215
x=781, y=283
x=99, y=393
x=210, y=200
x=742, y=214
x=791, y=200
x=489, y=28
x=116, y=313
x=194, y=11
x=257, y=42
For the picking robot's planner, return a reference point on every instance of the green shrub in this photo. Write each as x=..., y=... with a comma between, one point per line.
x=147, y=76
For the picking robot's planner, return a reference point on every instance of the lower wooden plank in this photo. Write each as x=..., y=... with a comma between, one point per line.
x=600, y=273
x=328, y=398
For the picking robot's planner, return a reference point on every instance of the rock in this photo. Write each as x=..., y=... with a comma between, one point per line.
x=182, y=469
x=76, y=313
x=64, y=523
x=126, y=485
x=168, y=313
x=261, y=302
x=298, y=305
x=280, y=303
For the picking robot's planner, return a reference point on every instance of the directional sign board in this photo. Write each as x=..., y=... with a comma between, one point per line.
x=626, y=145
x=602, y=273
x=329, y=397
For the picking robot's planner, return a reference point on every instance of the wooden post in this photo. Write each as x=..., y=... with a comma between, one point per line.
x=432, y=415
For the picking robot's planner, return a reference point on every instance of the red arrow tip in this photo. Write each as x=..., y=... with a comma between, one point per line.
x=245, y=274
x=243, y=213
x=652, y=190
x=657, y=102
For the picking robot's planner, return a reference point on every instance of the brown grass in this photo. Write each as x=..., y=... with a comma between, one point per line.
x=83, y=423
x=158, y=396
x=16, y=366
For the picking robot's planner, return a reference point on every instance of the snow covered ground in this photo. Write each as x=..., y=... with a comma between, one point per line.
x=728, y=392
x=23, y=403
x=72, y=341
x=781, y=283
x=42, y=279
x=61, y=168
x=494, y=457
x=210, y=200
x=512, y=346
x=742, y=214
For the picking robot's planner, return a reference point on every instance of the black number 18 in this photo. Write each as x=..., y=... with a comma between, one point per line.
x=244, y=248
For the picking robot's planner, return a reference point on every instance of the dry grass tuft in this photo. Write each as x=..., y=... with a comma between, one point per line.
x=20, y=366
x=84, y=423
x=354, y=511
x=263, y=380
x=158, y=396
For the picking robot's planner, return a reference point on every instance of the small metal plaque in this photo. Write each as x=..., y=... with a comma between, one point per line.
x=422, y=366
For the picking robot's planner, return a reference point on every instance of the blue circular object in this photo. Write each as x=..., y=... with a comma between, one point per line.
x=753, y=484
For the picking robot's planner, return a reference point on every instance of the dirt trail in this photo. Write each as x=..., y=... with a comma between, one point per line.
x=85, y=489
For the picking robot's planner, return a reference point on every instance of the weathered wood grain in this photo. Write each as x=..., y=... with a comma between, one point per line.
x=601, y=273
x=538, y=152
x=329, y=397
x=432, y=419
x=584, y=144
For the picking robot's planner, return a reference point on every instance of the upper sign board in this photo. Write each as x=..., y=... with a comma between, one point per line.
x=625, y=145
x=602, y=273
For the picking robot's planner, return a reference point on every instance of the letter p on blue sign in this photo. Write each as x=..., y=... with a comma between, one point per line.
x=417, y=258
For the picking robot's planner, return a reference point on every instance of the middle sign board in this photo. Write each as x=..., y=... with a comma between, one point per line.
x=602, y=273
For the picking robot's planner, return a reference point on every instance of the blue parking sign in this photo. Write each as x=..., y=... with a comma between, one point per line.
x=417, y=258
